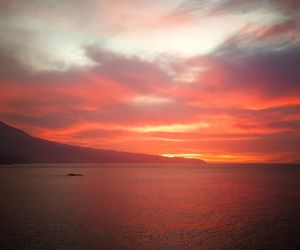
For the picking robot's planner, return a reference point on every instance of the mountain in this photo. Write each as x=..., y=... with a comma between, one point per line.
x=16, y=146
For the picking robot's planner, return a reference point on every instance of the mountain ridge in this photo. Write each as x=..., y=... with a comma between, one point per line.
x=17, y=146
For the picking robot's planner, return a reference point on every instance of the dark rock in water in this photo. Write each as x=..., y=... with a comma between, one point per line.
x=73, y=174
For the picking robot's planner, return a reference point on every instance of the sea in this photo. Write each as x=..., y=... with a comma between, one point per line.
x=149, y=206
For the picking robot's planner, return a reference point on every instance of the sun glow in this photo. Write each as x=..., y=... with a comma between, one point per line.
x=171, y=128
x=190, y=156
x=221, y=158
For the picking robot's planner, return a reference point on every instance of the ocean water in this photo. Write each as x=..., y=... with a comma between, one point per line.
x=150, y=207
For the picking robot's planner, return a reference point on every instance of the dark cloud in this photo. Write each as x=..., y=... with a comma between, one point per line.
x=132, y=71
x=238, y=6
x=266, y=113
x=11, y=67
x=288, y=27
x=291, y=125
x=46, y=121
x=270, y=74
x=99, y=133
x=276, y=142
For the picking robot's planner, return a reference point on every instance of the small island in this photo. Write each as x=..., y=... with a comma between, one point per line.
x=74, y=174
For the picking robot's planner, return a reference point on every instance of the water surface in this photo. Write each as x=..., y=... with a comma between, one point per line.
x=150, y=207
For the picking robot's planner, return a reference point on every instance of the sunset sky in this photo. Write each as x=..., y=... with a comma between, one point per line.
x=217, y=80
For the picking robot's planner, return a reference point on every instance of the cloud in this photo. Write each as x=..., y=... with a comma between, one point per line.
x=171, y=128
x=239, y=6
x=288, y=28
x=235, y=77
x=131, y=71
x=205, y=78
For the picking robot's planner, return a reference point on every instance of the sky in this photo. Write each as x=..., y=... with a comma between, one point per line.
x=217, y=80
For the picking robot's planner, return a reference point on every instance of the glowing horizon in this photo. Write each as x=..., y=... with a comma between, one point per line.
x=216, y=80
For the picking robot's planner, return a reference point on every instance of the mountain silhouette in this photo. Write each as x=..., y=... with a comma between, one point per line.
x=16, y=146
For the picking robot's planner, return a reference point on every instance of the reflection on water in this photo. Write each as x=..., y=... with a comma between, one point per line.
x=150, y=207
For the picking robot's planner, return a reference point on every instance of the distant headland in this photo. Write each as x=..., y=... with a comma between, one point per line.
x=16, y=146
